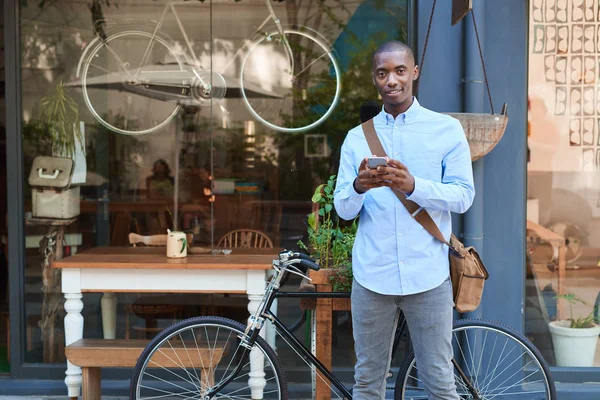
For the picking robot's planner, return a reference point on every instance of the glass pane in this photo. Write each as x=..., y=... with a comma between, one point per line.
x=303, y=91
x=4, y=321
x=205, y=117
x=563, y=205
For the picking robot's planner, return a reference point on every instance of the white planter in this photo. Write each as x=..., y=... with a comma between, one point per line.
x=574, y=347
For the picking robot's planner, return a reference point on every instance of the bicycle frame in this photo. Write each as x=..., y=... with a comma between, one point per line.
x=272, y=17
x=264, y=310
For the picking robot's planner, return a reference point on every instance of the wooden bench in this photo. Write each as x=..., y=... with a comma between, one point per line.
x=93, y=354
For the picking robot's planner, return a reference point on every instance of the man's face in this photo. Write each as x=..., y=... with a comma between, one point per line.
x=393, y=75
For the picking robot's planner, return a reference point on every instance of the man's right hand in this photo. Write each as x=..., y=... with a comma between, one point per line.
x=367, y=178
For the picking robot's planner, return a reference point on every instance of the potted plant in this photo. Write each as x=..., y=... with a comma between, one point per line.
x=328, y=242
x=60, y=116
x=574, y=339
x=55, y=178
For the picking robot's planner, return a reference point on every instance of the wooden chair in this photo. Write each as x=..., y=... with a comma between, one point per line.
x=145, y=307
x=245, y=238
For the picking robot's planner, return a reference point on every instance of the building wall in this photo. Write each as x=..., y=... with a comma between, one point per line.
x=504, y=33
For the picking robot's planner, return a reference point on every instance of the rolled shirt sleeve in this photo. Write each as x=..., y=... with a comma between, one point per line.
x=456, y=190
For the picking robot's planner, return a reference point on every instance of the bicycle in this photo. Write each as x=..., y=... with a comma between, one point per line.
x=176, y=362
x=307, y=91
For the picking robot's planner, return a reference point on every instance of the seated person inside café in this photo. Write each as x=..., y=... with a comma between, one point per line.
x=160, y=185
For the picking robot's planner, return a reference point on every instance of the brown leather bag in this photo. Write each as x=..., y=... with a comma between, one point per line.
x=467, y=271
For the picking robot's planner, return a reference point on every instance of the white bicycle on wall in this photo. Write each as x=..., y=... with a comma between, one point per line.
x=160, y=80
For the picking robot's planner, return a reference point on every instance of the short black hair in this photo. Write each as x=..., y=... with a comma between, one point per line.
x=392, y=46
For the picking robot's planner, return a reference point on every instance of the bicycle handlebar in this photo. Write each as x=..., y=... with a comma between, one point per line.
x=304, y=257
x=305, y=260
x=310, y=264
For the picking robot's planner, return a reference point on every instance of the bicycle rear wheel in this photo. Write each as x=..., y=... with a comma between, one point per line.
x=498, y=362
x=111, y=63
x=192, y=356
x=290, y=100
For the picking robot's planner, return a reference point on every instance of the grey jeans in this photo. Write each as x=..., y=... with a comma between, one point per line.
x=429, y=319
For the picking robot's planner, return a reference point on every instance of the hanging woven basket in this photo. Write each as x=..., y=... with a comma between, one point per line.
x=483, y=131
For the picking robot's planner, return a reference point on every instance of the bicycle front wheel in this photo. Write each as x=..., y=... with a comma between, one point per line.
x=106, y=74
x=290, y=99
x=192, y=356
x=497, y=361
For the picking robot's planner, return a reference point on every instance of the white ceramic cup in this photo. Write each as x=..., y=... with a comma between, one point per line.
x=176, y=244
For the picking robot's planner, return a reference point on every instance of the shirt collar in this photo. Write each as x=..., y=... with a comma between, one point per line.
x=406, y=117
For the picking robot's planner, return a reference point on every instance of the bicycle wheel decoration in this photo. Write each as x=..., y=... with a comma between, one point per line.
x=497, y=362
x=124, y=88
x=306, y=81
x=188, y=359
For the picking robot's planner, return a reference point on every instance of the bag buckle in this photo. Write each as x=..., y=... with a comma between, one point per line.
x=455, y=252
x=414, y=215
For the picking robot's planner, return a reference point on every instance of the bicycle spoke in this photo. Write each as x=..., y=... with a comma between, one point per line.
x=246, y=387
x=216, y=358
x=165, y=381
x=117, y=58
x=112, y=58
x=512, y=369
x=293, y=114
x=170, y=371
x=311, y=64
x=514, y=375
x=168, y=395
x=105, y=70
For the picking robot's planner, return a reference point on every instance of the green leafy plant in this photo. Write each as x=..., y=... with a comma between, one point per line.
x=60, y=114
x=328, y=242
x=587, y=321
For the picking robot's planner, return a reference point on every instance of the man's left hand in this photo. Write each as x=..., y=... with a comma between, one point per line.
x=397, y=176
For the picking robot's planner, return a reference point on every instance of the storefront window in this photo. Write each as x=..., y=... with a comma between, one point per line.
x=563, y=204
x=4, y=321
x=195, y=116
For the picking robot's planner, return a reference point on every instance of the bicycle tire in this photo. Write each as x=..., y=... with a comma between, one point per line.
x=86, y=60
x=405, y=371
x=329, y=107
x=173, y=335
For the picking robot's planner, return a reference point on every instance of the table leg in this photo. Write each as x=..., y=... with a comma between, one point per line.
x=108, y=304
x=562, y=275
x=256, y=379
x=73, y=332
x=271, y=332
x=313, y=350
x=323, y=337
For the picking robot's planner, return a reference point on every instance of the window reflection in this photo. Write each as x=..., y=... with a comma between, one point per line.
x=563, y=209
x=194, y=121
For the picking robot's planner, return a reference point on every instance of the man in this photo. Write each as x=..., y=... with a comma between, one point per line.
x=397, y=264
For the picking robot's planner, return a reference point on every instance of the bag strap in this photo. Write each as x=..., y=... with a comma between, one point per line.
x=418, y=213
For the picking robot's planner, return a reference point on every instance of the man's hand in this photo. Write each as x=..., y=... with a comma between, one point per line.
x=397, y=176
x=367, y=178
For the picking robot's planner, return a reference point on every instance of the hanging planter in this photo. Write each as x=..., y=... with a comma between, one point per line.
x=483, y=131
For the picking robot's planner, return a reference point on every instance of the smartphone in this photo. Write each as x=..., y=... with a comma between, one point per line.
x=374, y=162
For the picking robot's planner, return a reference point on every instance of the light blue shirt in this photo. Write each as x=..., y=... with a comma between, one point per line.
x=393, y=254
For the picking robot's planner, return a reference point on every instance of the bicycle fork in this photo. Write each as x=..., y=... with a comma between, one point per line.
x=466, y=381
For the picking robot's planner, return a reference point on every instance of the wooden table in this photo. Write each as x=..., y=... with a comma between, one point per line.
x=560, y=244
x=147, y=269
